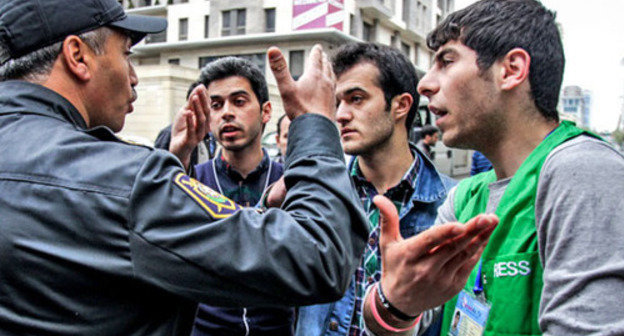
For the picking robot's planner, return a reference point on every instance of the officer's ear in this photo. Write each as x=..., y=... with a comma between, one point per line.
x=77, y=57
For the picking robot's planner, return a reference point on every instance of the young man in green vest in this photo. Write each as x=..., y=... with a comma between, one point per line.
x=554, y=264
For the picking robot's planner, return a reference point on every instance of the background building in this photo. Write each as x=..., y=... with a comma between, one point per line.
x=202, y=30
x=576, y=105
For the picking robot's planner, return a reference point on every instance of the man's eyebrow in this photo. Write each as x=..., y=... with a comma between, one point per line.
x=232, y=94
x=444, y=52
x=350, y=91
x=238, y=93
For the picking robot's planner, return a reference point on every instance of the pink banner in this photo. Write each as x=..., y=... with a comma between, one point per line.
x=310, y=14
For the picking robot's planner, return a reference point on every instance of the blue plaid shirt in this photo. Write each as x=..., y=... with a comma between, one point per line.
x=369, y=270
x=417, y=197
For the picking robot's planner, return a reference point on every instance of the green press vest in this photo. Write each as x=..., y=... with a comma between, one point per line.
x=512, y=271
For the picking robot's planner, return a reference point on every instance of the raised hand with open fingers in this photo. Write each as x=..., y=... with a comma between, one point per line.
x=314, y=92
x=190, y=125
x=428, y=269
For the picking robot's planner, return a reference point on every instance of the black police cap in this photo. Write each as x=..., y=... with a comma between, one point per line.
x=29, y=25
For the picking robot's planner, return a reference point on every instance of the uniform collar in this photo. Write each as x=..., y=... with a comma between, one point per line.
x=24, y=97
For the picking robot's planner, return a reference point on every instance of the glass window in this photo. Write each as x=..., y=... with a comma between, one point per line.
x=405, y=11
x=416, y=54
x=405, y=48
x=257, y=59
x=155, y=38
x=269, y=18
x=207, y=26
x=296, y=63
x=175, y=61
x=225, y=23
x=367, y=32
x=183, y=29
x=241, y=18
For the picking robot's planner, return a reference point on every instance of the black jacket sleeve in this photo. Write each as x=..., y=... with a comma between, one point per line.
x=194, y=243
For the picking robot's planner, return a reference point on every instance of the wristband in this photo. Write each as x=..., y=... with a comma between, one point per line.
x=392, y=309
x=383, y=323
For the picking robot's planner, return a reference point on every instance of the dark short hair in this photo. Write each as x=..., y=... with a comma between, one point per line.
x=236, y=66
x=397, y=74
x=279, y=124
x=428, y=130
x=494, y=27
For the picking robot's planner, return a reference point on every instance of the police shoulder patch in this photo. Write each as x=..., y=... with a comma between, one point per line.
x=217, y=205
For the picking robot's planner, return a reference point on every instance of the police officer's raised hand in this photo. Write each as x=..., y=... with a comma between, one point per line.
x=190, y=125
x=314, y=92
x=428, y=269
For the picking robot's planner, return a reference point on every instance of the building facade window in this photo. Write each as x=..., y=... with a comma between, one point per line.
x=405, y=48
x=296, y=63
x=241, y=20
x=269, y=20
x=233, y=22
x=175, y=61
x=257, y=59
x=416, y=51
x=207, y=26
x=352, y=28
x=226, y=23
x=406, y=9
x=155, y=38
x=183, y=29
x=367, y=32
x=418, y=11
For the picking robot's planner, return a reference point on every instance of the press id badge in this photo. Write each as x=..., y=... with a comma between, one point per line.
x=470, y=315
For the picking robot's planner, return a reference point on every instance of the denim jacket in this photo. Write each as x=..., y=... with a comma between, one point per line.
x=430, y=191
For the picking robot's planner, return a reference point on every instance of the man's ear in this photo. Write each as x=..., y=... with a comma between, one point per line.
x=401, y=105
x=266, y=112
x=77, y=56
x=515, y=68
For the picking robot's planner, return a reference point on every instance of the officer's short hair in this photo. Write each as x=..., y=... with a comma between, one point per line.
x=38, y=64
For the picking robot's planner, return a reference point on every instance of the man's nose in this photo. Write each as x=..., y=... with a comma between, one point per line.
x=343, y=113
x=428, y=86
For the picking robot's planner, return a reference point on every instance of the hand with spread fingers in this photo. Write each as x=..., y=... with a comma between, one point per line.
x=314, y=92
x=426, y=270
x=190, y=125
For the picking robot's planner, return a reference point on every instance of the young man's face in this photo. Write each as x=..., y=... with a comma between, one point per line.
x=431, y=140
x=112, y=84
x=236, y=117
x=364, y=123
x=282, y=138
x=465, y=100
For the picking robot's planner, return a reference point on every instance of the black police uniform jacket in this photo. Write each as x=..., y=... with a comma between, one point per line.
x=100, y=237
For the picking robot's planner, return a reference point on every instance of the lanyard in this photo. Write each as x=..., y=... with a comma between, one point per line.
x=478, y=286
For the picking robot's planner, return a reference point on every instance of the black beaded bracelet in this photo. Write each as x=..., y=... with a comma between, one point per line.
x=392, y=309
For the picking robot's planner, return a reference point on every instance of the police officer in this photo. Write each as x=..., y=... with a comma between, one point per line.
x=100, y=237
